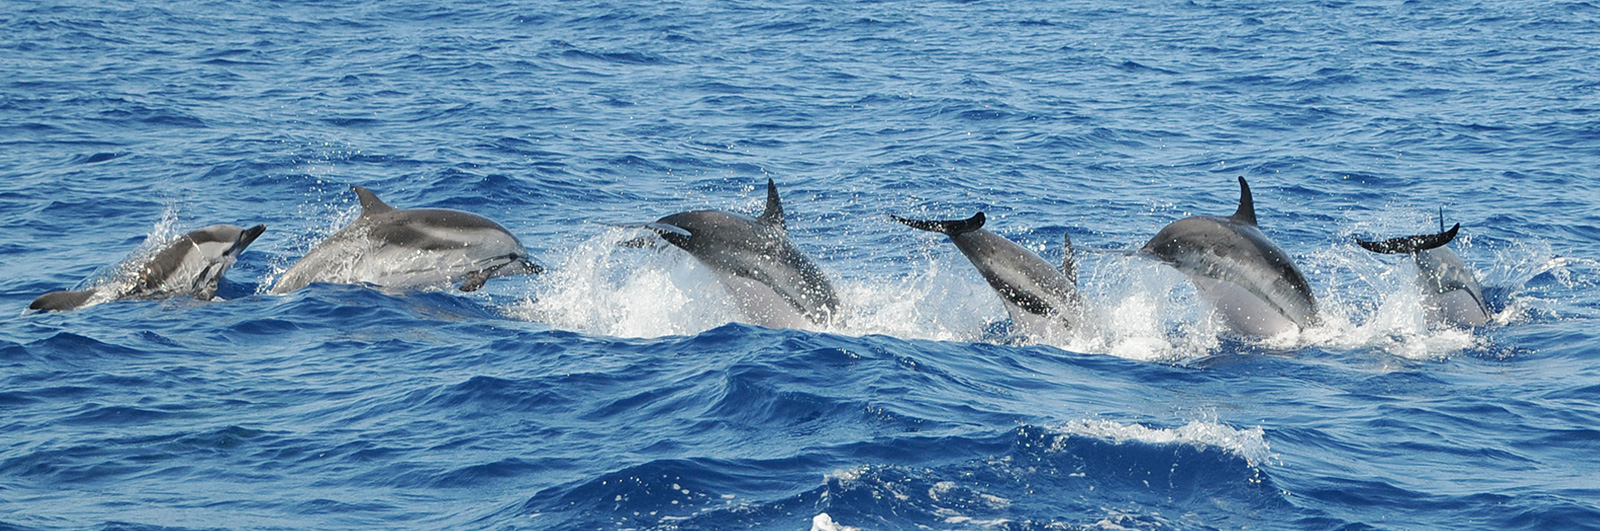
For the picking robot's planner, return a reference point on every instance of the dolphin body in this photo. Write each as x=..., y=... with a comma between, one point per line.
x=1250, y=281
x=1452, y=293
x=190, y=266
x=1034, y=291
x=411, y=248
x=772, y=281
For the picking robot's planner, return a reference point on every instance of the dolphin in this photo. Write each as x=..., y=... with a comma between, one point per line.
x=773, y=282
x=1249, y=279
x=411, y=248
x=190, y=266
x=1453, y=295
x=1034, y=291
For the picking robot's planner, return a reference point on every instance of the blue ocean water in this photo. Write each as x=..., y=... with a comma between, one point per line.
x=618, y=391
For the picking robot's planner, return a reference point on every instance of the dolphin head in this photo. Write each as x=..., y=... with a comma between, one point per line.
x=207, y=252
x=60, y=301
x=245, y=238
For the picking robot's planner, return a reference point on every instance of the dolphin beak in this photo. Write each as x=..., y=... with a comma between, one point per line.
x=665, y=229
x=247, y=237
x=531, y=267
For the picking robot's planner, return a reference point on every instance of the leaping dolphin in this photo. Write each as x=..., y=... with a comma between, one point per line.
x=190, y=266
x=1452, y=292
x=411, y=248
x=1252, y=283
x=772, y=280
x=1034, y=291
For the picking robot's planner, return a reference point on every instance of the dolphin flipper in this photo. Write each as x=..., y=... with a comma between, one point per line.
x=1411, y=244
x=951, y=227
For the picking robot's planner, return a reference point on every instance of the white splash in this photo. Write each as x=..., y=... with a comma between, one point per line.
x=823, y=522
x=1135, y=308
x=1249, y=444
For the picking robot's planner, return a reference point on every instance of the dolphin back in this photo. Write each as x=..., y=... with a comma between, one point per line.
x=1411, y=244
x=952, y=227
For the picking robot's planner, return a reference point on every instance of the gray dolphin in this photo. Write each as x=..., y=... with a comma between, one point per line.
x=190, y=266
x=411, y=248
x=1249, y=279
x=1453, y=295
x=770, y=278
x=1032, y=289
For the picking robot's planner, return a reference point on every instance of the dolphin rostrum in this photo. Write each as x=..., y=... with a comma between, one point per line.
x=411, y=248
x=1451, y=290
x=1032, y=289
x=190, y=266
x=770, y=278
x=1250, y=281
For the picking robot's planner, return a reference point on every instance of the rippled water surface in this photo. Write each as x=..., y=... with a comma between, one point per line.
x=620, y=390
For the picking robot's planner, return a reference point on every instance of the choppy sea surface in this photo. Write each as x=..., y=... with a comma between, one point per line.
x=620, y=391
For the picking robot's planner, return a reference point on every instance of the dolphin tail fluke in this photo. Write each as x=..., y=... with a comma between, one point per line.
x=773, y=215
x=1247, y=205
x=952, y=227
x=1411, y=244
x=370, y=204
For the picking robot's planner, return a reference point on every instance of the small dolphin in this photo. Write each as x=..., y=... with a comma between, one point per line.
x=771, y=280
x=1249, y=279
x=411, y=248
x=1032, y=289
x=190, y=266
x=1453, y=295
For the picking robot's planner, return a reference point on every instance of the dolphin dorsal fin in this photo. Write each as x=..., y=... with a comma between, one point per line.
x=1247, y=206
x=1069, y=267
x=774, y=213
x=370, y=204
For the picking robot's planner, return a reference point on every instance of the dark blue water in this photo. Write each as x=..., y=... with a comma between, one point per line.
x=619, y=392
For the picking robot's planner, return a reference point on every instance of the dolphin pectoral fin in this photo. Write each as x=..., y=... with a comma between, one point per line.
x=370, y=204
x=475, y=280
x=1411, y=244
x=773, y=215
x=1247, y=205
x=951, y=227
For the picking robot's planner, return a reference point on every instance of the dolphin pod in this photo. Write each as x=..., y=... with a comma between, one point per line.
x=1252, y=284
